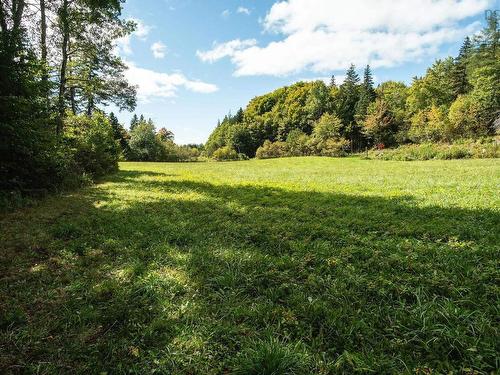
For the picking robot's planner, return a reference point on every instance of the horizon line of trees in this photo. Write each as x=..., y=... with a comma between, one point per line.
x=142, y=142
x=457, y=98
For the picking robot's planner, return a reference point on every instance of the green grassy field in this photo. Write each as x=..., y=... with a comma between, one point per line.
x=286, y=266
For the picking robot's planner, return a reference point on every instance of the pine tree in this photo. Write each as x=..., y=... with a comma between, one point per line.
x=348, y=96
x=459, y=77
x=368, y=83
x=332, y=81
x=238, y=118
x=119, y=132
x=134, y=122
x=352, y=77
x=367, y=95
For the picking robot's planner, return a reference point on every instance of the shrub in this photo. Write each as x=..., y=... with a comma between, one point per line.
x=225, y=153
x=270, y=149
x=464, y=149
x=171, y=152
x=144, y=145
x=29, y=150
x=298, y=143
x=333, y=147
x=91, y=140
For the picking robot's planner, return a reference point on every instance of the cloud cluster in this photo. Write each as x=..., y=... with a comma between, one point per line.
x=221, y=50
x=159, y=50
x=326, y=35
x=153, y=84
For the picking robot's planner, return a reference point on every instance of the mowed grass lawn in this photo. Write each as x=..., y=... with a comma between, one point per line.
x=286, y=266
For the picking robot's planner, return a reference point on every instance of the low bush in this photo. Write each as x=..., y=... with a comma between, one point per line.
x=464, y=149
x=333, y=147
x=225, y=153
x=92, y=144
x=171, y=152
x=272, y=150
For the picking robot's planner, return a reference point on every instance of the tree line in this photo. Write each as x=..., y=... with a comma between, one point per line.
x=58, y=70
x=457, y=98
x=144, y=143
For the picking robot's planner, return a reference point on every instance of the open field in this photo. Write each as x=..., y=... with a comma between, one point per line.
x=297, y=266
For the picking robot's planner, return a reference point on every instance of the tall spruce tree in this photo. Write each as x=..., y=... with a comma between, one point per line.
x=332, y=81
x=367, y=95
x=238, y=117
x=119, y=132
x=461, y=84
x=133, y=122
x=348, y=96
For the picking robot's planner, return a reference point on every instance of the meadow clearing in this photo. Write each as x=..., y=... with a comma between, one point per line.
x=281, y=266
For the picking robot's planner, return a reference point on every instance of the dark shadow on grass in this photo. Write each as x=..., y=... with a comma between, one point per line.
x=185, y=282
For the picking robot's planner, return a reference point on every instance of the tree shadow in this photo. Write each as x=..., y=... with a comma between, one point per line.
x=185, y=277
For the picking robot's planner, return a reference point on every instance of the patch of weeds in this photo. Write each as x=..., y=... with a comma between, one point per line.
x=272, y=357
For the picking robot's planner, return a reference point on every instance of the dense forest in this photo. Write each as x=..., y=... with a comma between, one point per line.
x=58, y=70
x=457, y=98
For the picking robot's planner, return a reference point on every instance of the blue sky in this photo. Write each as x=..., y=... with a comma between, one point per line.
x=195, y=60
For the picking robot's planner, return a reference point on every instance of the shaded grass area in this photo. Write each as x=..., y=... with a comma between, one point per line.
x=219, y=268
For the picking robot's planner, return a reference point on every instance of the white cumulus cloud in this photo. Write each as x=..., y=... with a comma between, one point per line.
x=151, y=84
x=221, y=50
x=326, y=35
x=159, y=50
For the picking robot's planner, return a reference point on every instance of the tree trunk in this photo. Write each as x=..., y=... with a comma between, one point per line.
x=72, y=89
x=64, y=24
x=43, y=49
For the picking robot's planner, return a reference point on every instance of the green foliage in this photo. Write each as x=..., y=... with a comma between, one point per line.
x=434, y=89
x=225, y=153
x=144, y=145
x=165, y=135
x=327, y=127
x=270, y=150
x=332, y=147
x=315, y=265
x=380, y=125
x=120, y=134
x=298, y=143
x=92, y=142
x=460, y=80
x=174, y=153
x=464, y=149
x=394, y=94
x=430, y=125
x=367, y=95
x=42, y=81
x=348, y=96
